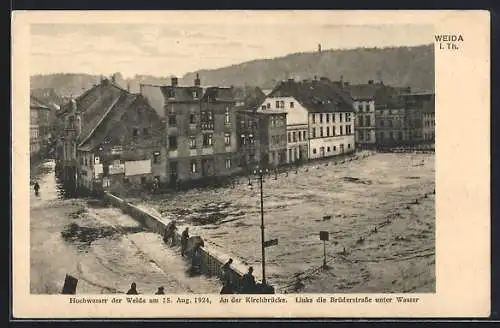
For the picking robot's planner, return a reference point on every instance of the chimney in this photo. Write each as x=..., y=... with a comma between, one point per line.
x=197, y=81
x=174, y=81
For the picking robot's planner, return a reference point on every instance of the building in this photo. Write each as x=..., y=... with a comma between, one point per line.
x=262, y=138
x=391, y=118
x=40, y=132
x=113, y=141
x=420, y=116
x=319, y=114
x=200, y=130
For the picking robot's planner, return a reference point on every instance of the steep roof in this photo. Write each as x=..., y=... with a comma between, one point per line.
x=96, y=133
x=250, y=96
x=36, y=103
x=315, y=96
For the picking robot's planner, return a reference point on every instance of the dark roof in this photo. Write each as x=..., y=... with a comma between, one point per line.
x=95, y=134
x=315, y=96
x=36, y=103
x=382, y=94
x=219, y=94
x=181, y=94
x=251, y=96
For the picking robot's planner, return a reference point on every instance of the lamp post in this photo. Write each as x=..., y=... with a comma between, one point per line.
x=260, y=174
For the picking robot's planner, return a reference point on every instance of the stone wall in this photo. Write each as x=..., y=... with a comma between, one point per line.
x=211, y=261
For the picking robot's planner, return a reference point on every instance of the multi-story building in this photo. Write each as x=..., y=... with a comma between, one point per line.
x=201, y=131
x=114, y=140
x=420, y=116
x=320, y=109
x=262, y=138
x=40, y=133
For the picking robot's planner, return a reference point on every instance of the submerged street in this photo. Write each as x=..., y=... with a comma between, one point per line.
x=103, y=248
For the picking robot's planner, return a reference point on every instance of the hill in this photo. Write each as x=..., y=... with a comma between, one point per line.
x=398, y=66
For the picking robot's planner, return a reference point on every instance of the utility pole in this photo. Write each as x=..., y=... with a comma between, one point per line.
x=262, y=229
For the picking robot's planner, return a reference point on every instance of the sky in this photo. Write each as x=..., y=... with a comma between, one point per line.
x=176, y=49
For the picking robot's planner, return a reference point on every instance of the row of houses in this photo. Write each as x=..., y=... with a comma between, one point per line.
x=173, y=134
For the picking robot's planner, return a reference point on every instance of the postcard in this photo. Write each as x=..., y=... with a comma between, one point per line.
x=228, y=164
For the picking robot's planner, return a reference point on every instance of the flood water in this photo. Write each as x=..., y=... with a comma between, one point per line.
x=380, y=217
x=103, y=248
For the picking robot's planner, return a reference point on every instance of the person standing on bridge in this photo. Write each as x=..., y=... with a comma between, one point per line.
x=224, y=269
x=184, y=240
x=160, y=291
x=248, y=282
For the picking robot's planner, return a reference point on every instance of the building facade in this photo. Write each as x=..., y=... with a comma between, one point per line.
x=420, y=109
x=114, y=141
x=40, y=131
x=200, y=126
x=319, y=114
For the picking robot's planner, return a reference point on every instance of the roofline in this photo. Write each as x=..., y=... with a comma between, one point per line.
x=101, y=120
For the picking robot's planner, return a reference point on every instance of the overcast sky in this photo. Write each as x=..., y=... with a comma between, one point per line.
x=162, y=50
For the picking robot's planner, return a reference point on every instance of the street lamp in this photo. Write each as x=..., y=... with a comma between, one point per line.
x=260, y=173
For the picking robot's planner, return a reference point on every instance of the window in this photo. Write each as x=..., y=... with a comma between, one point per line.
x=291, y=104
x=327, y=118
x=321, y=118
x=194, y=167
x=242, y=140
x=334, y=148
x=348, y=146
x=172, y=142
x=207, y=120
x=391, y=135
x=277, y=104
x=156, y=157
x=290, y=158
x=381, y=136
x=294, y=136
x=135, y=132
x=304, y=137
x=273, y=121
x=321, y=131
x=367, y=136
x=207, y=139
x=227, y=139
x=333, y=131
x=192, y=118
x=340, y=117
x=145, y=131
x=341, y=131
x=268, y=105
x=348, y=117
x=313, y=118
x=314, y=150
x=227, y=119
x=368, y=120
x=282, y=104
x=360, y=107
x=348, y=129
x=360, y=135
x=192, y=142
x=314, y=132
x=300, y=135
x=328, y=149
x=327, y=131
x=289, y=137
x=195, y=94
x=228, y=163
x=172, y=120
x=381, y=123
